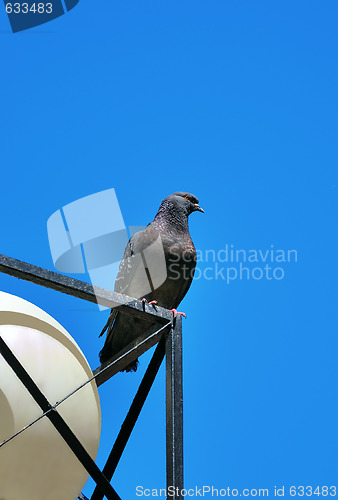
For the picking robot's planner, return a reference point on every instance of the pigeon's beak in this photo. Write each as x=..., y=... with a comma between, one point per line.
x=197, y=208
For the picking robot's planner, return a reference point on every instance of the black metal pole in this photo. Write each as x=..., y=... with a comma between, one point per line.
x=132, y=415
x=82, y=290
x=58, y=422
x=174, y=410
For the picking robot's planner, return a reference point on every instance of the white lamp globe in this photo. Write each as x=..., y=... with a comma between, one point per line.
x=38, y=464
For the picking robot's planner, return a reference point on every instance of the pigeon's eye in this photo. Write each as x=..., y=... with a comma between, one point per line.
x=187, y=198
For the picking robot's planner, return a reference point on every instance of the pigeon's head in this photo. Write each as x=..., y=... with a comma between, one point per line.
x=186, y=201
x=181, y=203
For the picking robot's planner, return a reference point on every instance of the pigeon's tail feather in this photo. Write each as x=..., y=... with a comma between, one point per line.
x=110, y=347
x=104, y=329
x=109, y=324
x=132, y=367
x=107, y=352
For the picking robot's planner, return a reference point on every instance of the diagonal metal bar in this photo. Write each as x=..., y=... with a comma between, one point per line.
x=82, y=290
x=58, y=422
x=130, y=353
x=132, y=415
x=174, y=409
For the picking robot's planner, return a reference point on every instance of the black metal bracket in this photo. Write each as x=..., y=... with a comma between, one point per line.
x=169, y=338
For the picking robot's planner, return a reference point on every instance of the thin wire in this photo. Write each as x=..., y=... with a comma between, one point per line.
x=103, y=370
x=70, y=394
x=26, y=427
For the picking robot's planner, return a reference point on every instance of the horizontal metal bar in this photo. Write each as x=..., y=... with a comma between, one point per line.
x=82, y=290
x=58, y=422
x=132, y=415
x=129, y=354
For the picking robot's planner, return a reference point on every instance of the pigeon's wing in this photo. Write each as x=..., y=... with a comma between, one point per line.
x=121, y=284
x=132, y=278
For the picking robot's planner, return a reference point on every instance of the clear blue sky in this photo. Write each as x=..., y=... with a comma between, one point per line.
x=236, y=102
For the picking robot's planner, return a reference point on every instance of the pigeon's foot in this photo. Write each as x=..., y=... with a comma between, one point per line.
x=177, y=312
x=151, y=303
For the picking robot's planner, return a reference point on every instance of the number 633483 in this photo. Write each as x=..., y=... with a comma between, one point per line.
x=25, y=8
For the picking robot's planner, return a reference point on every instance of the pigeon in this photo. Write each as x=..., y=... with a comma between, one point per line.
x=158, y=267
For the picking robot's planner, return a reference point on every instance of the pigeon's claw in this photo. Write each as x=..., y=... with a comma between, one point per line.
x=177, y=312
x=151, y=303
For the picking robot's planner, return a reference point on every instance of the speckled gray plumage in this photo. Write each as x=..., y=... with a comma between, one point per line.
x=158, y=264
